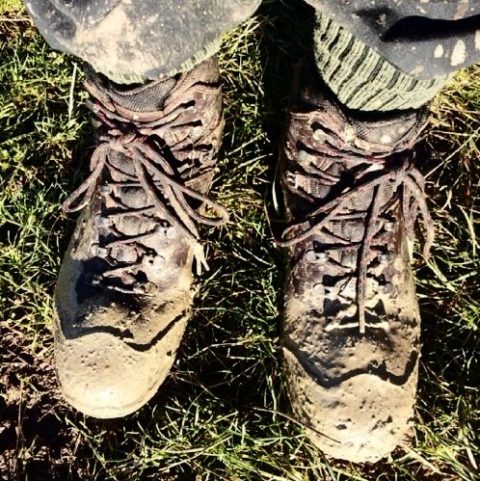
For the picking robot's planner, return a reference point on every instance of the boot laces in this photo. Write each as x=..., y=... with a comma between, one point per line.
x=167, y=193
x=398, y=174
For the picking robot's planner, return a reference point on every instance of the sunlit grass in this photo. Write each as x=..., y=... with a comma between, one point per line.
x=222, y=414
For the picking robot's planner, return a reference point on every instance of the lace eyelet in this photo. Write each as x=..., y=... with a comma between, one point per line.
x=385, y=258
x=99, y=251
x=317, y=257
x=106, y=189
x=156, y=262
x=304, y=156
x=389, y=226
x=319, y=135
x=169, y=232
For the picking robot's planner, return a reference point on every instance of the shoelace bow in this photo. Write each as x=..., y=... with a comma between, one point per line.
x=404, y=177
x=169, y=197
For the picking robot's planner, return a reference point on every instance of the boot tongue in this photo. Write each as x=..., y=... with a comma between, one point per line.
x=148, y=97
x=372, y=131
x=393, y=130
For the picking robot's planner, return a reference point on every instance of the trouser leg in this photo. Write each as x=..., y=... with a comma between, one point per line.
x=135, y=40
x=386, y=55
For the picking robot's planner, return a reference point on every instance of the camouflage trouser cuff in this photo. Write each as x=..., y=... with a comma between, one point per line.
x=361, y=78
x=135, y=40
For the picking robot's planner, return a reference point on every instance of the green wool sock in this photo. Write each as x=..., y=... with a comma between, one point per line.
x=361, y=78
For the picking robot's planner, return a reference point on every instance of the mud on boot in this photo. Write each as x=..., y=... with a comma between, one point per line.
x=351, y=325
x=126, y=285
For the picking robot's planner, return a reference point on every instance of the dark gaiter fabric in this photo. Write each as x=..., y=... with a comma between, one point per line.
x=422, y=38
x=382, y=55
x=134, y=40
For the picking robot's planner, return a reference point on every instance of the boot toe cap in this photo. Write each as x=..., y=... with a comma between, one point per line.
x=361, y=419
x=111, y=358
x=104, y=377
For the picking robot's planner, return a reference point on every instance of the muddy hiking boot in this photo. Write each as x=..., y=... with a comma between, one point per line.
x=351, y=327
x=126, y=285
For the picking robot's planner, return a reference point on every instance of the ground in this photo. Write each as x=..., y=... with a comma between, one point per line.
x=223, y=413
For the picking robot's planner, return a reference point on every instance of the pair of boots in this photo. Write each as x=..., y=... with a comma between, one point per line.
x=351, y=328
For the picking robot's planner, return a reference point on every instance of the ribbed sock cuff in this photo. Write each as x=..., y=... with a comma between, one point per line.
x=361, y=78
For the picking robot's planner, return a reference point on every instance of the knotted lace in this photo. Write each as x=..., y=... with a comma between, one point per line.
x=396, y=173
x=168, y=194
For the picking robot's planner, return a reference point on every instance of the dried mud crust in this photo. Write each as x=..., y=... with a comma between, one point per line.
x=126, y=286
x=351, y=323
x=370, y=410
x=86, y=365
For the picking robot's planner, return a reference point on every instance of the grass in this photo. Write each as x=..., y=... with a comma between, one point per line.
x=223, y=413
